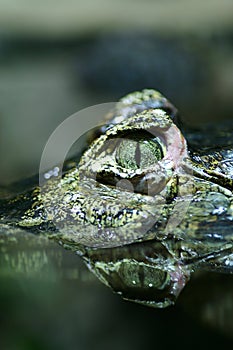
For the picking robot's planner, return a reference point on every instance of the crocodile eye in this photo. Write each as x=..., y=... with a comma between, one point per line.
x=138, y=151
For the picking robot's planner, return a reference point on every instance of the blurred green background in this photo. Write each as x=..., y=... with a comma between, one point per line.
x=56, y=58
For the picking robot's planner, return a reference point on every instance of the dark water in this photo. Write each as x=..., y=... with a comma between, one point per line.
x=48, y=300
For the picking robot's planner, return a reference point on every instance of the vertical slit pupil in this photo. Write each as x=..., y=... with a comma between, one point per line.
x=138, y=155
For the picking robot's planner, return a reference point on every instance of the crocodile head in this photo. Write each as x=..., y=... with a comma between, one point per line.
x=147, y=203
x=160, y=207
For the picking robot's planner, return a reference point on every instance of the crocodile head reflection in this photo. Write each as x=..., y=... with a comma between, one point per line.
x=146, y=272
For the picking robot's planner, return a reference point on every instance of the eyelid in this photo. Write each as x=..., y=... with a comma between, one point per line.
x=100, y=158
x=133, y=135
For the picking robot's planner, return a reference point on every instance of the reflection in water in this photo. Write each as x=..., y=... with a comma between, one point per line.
x=59, y=305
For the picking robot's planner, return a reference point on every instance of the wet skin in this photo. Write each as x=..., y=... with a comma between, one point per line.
x=148, y=202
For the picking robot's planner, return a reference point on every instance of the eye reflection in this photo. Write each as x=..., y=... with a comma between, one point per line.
x=139, y=282
x=142, y=276
x=138, y=151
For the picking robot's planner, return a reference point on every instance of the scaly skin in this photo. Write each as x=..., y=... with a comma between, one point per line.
x=145, y=206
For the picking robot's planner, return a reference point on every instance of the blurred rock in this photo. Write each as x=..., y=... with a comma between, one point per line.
x=115, y=65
